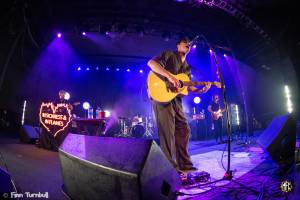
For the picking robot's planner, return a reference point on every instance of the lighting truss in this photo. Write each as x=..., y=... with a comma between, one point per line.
x=243, y=19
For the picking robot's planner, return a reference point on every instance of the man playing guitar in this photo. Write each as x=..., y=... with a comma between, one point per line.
x=173, y=129
x=62, y=99
x=216, y=114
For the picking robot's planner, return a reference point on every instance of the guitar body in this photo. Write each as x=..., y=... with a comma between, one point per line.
x=159, y=90
x=217, y=114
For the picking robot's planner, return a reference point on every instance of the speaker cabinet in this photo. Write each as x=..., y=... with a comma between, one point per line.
x=28, y=134
x=279, y=139
x=116, y=168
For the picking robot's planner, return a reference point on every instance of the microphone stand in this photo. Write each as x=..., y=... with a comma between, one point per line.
x=228, y=174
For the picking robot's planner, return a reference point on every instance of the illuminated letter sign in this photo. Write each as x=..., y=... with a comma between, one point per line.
x=55, y=118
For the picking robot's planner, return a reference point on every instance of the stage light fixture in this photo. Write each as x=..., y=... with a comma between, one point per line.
x=107, y=69
x=83, y=33
x=107, y=113
x=141, y=71
x=289, y=103
x=86, y=105
x=234, y=114
x=224, y=55
x=287, y=91
x=118, y=69
x=87, y=69
x=210, y=51
x=128, y=70
x=166, y=36
x=67, y=96
x=97, y=68
x=23, y=112
x=237, y=115
x=59, y=35
x=197, y=100
x=194, y=46
x=78, y=68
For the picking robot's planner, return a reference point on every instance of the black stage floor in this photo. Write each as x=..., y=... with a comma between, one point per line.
x=38, y=170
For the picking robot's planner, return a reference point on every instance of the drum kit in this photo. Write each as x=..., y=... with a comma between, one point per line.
x=137, y=127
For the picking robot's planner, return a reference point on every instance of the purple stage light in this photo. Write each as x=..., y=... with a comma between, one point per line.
x=107, y=69
x=210, y=51
x=59, y=35
x=141, y=71
x=224, y=55
x=117, y=69
x=78, y=68
x=83, y=33
x=97, y=68
x=128, y=70
x=87, y=69
x=194, y=46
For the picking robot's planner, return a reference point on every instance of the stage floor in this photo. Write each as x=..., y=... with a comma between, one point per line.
x=215, y=163
x=38, y=170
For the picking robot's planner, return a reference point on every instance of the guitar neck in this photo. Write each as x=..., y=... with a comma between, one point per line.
x=197, y=83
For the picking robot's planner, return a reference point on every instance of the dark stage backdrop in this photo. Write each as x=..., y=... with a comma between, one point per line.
x=258, y=91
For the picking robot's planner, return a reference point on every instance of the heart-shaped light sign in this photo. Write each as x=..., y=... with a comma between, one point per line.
x=55, y=118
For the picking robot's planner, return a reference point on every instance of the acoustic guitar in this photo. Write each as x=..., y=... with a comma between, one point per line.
x=161, y=90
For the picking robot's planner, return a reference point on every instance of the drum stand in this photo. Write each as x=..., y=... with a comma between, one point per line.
x=149, y=131
x=124, y=129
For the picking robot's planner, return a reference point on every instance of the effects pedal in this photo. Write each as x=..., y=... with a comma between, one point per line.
x=194, y=178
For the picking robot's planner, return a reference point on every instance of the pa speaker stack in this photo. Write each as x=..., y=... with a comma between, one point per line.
x=116, y=168
x=279, y=139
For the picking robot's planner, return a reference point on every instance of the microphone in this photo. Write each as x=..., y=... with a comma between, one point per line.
x=194, y=40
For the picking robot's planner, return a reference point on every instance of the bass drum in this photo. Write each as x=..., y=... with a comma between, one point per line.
x=137, y=131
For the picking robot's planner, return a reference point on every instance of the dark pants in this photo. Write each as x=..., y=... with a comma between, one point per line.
x=218, y=129
x=173, y=132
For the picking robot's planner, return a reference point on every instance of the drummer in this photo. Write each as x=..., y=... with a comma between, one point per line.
x=137, y=119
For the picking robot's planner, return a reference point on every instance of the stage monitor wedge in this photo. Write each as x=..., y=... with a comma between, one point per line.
x=5, y=182
x=116, y=168
x=28, y=134
x=279, y=139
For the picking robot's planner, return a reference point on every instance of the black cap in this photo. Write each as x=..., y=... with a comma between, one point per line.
x=183, y=39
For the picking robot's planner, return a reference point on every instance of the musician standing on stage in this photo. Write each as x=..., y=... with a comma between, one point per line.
x=62, y=99
x=213, y=108
x=173, y=129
